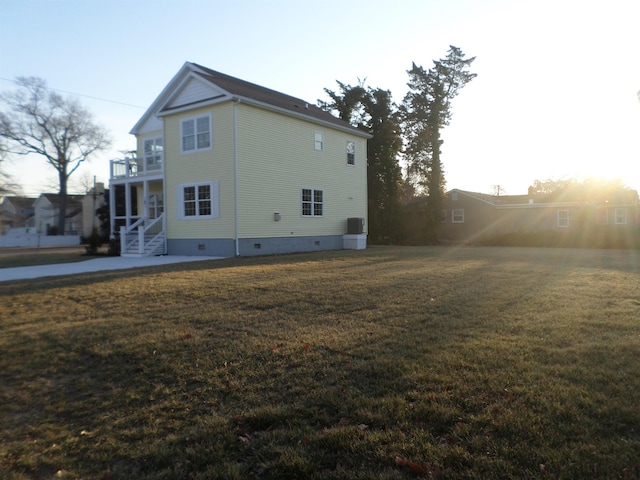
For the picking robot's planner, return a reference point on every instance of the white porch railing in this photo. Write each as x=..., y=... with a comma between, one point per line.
x=135, y=167
x=145, y=237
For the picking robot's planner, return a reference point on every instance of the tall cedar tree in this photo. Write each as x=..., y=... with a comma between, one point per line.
x=372, y=110
x=40, y=121
x=426, y=110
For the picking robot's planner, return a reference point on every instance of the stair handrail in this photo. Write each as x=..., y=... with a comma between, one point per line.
x=143, y=226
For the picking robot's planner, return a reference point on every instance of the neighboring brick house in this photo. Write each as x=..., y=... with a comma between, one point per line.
x=470, y=217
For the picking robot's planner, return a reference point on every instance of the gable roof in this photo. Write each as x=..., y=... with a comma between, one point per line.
x=227, y=88
x=628, y=197
x=74, y=202
x=20, y=203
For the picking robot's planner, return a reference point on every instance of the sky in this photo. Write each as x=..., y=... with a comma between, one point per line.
x=556, y=94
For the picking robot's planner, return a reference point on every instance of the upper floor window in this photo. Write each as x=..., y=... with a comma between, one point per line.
x=319, y=141
x=621, y=216
x=196, y=134
x=563, y=218
x=153, y=150
x=351, y=152
x=457, y=215
x=312, y=203
x=200, y=200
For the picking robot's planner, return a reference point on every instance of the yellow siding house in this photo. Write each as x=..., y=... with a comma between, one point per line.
x=224, y=167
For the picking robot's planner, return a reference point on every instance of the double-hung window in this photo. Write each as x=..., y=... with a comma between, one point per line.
x=196, y=134
x=620, y=216
x=563, y=218
x=319, y=141
x=457, y=215
x=312, y=203
x=199, y=200
x=351, y=152
x=153, y=149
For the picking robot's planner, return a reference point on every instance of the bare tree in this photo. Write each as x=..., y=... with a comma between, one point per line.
x=42, y=122
x=497, y=190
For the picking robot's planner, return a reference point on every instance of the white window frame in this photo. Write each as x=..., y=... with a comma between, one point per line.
x=156, y=205
x=214, y=201
x=196, y=134
x=318, y=141
x=312, y=202
x=620, y=216
x=562, y=218
x=351, y=152
x=155, y=156
x=457, y=215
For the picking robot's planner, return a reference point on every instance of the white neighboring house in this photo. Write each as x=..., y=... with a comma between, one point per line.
x=225, y=167
x=16, y=212
x=47, y=211
x=28, y=222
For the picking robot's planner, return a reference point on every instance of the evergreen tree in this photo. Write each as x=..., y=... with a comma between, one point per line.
x=425, y=111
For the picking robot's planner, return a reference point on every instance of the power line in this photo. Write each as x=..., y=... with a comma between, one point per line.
x=83, y=95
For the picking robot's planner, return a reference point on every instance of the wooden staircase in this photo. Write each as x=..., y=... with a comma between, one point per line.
x=144, y=238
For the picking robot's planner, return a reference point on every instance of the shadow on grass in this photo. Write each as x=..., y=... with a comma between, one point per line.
x=488, y=362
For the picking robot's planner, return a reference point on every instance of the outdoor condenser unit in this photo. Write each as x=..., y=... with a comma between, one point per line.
x=355, y=225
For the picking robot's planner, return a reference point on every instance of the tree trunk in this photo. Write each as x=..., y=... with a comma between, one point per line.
x=62, y=213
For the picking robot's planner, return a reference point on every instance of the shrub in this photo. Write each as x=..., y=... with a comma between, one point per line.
x=93, y=242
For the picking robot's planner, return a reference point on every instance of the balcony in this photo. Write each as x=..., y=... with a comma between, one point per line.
x=135, y=167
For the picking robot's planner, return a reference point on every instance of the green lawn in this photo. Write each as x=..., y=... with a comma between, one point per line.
x=392, y=363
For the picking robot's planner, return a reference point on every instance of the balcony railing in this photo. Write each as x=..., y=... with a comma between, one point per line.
x=136, y=167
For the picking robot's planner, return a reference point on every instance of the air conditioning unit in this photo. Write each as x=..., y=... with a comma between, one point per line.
x=355, y=225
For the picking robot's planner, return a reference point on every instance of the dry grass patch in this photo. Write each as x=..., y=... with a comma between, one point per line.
x=25, y=257
x=392, y=363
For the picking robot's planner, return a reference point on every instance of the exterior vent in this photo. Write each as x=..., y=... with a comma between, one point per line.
x=355, y=226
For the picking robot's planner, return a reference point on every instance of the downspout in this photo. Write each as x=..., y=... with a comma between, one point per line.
x=235, y=174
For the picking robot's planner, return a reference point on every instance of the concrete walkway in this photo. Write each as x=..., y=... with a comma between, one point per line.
x=94, y=265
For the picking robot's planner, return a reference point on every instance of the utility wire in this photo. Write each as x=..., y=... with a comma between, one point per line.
x=82, y=95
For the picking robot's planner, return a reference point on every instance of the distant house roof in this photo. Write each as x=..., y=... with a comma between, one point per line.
x=577, y=196
x=20, y=203
x=248, y=92
x=74, y=202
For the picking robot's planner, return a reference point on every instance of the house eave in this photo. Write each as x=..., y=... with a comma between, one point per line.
x=302, y=116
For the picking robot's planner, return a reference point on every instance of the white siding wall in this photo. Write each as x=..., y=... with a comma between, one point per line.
x=277, y=159
x=193, y=91
x=215, y=164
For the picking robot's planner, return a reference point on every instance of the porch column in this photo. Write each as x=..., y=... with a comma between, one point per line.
x=127, y=203
x=145, y=196
x=112, y=210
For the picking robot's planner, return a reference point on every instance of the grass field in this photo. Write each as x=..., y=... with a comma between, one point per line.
x=21, y=257
x=392, y=363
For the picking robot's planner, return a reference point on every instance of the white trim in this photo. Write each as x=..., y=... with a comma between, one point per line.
x=460, y=212
x=313, y=202
x=623, y=211
x=215, y=201
x=346, y=147
x=563, y=221
x=318, y=135
x=195, y=119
